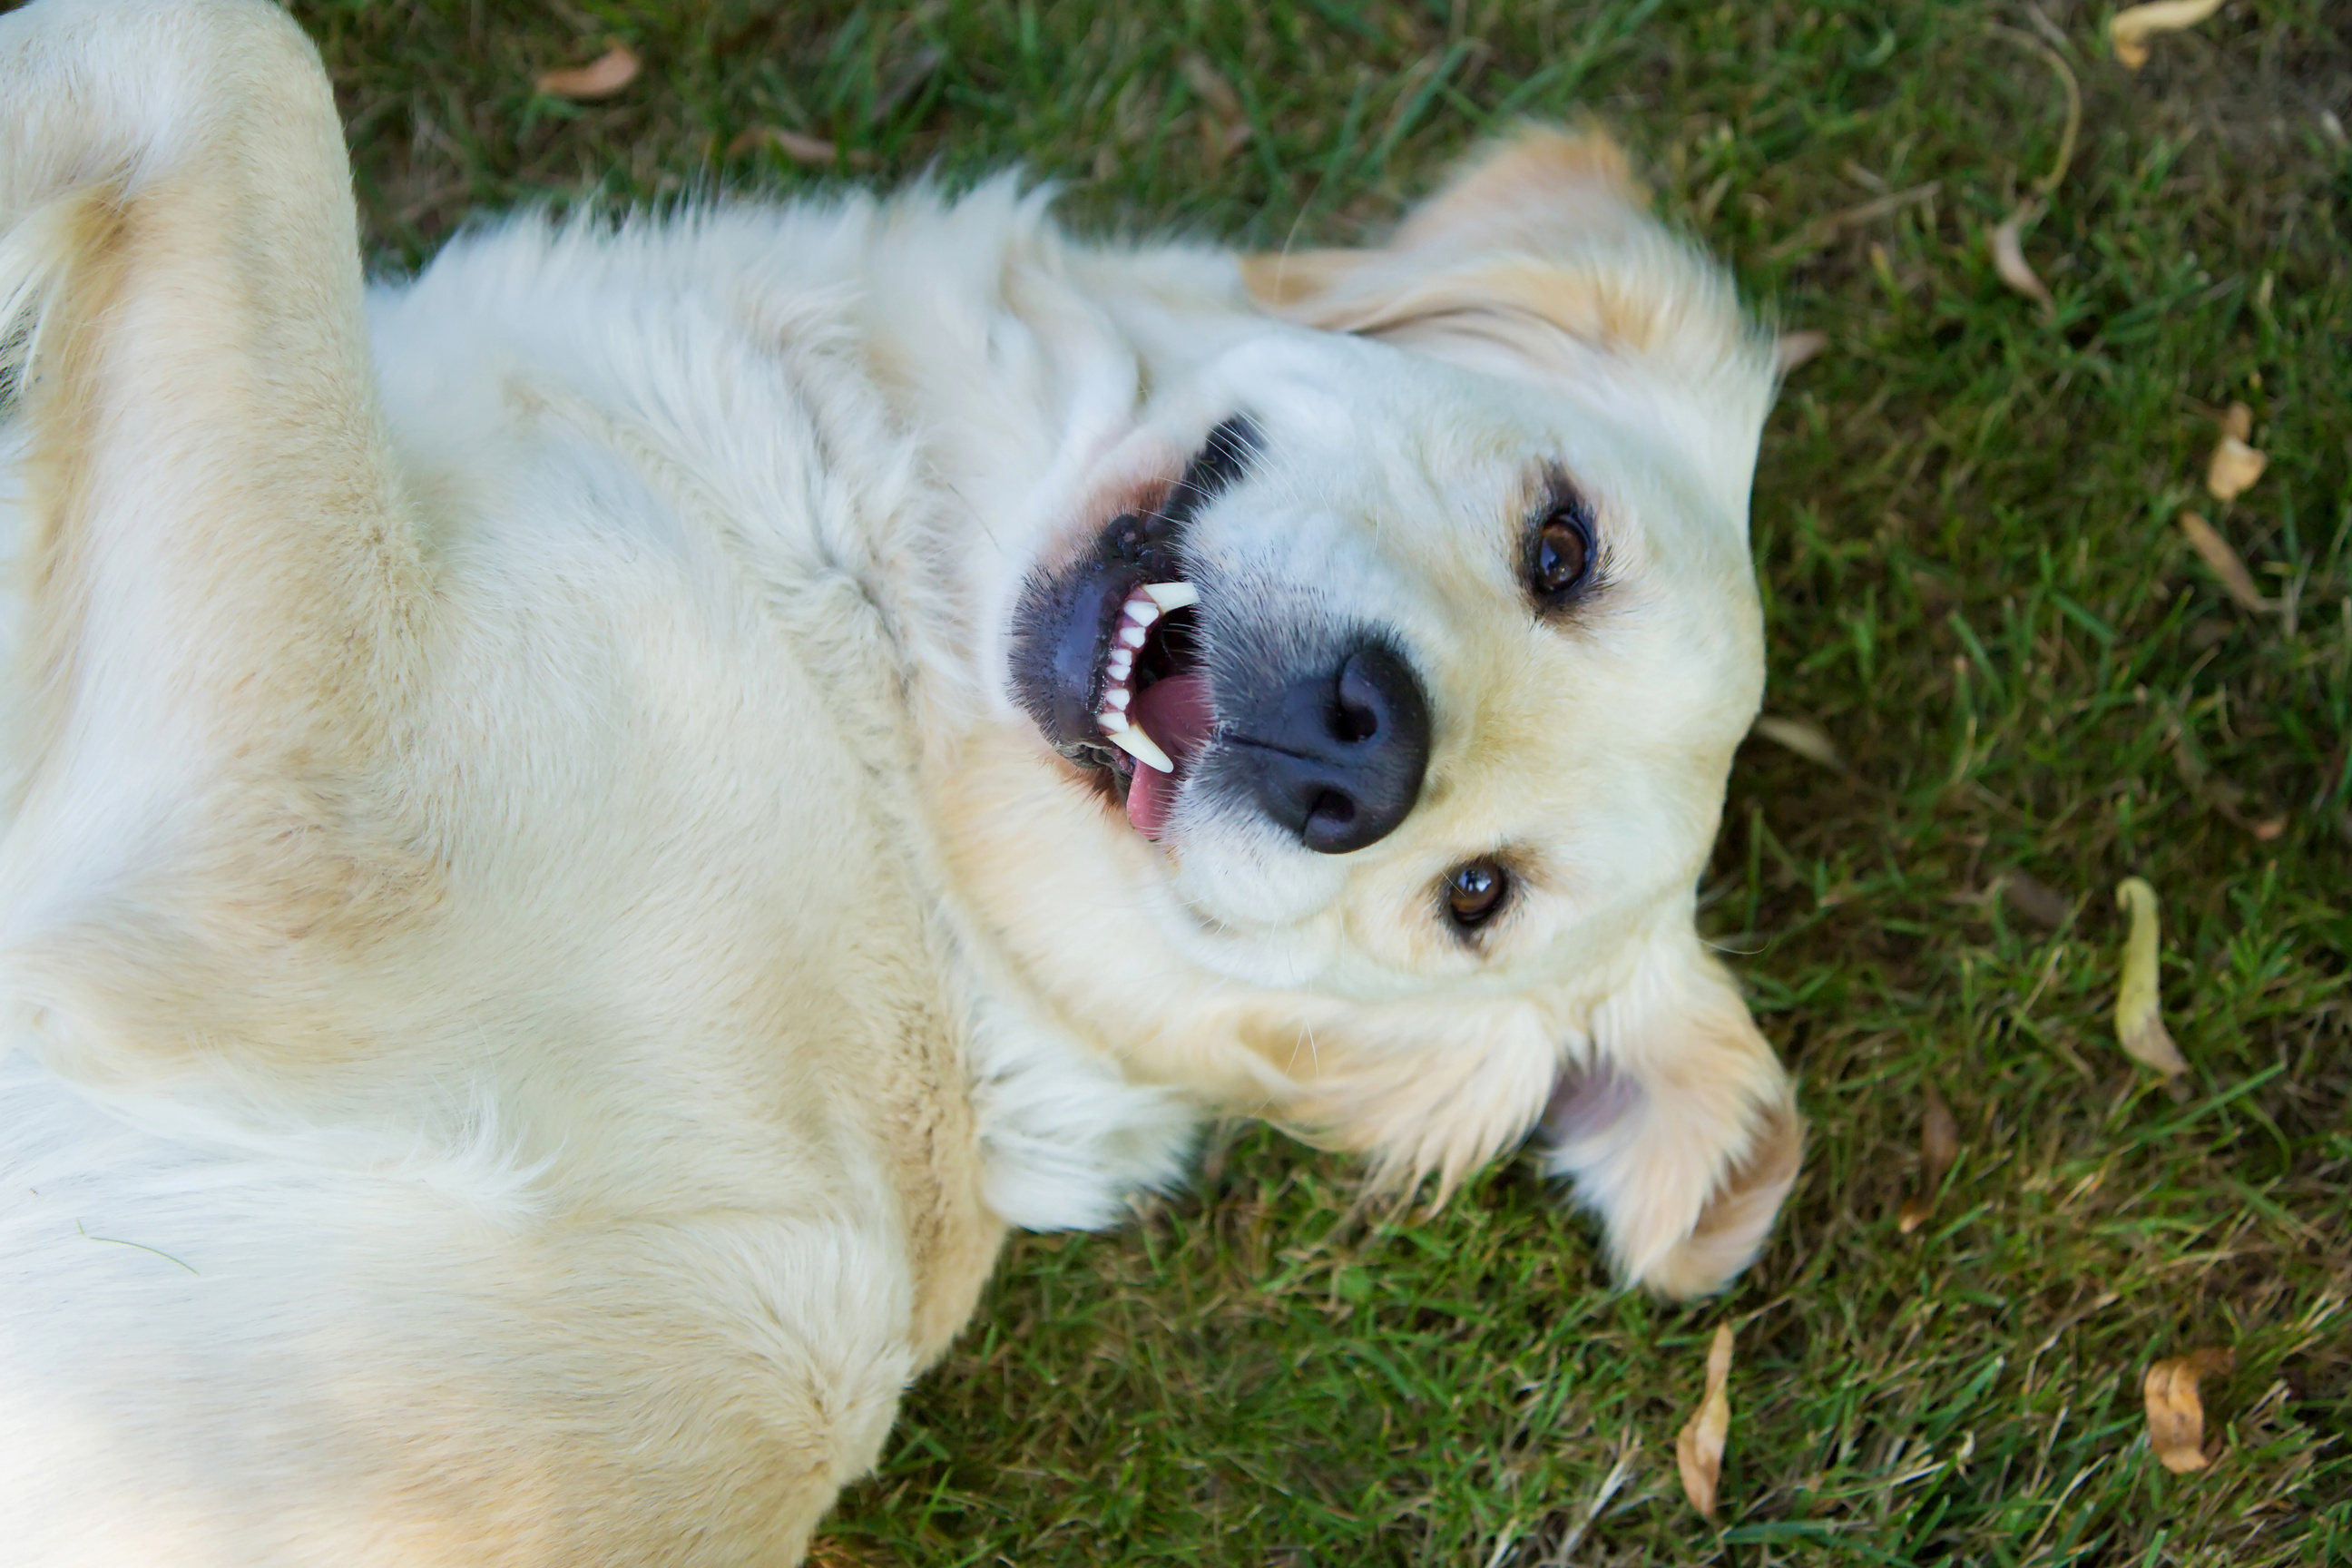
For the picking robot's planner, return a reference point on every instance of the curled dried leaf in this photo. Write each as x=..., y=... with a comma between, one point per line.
x=2009, y=259
x=1796, y=348
x=1698, y=1451
x=1225, y=128
x=2131, y=28
x=600, y=77
x=2215, y=550
x=2234, y=466
x=1940, y=1138
x=801, y=148
x=2175, y=1415
x=1802, y=736
x=2139, y=1024
x=2034, y=899
x=1939, y=1145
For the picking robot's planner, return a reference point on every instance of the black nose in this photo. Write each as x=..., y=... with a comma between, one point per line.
x=1336, y=758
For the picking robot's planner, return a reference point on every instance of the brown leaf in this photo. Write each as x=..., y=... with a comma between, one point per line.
x=1802, y=736
x=1795, y=348
x=2139, y=1023
x=813, y=150
x=2130, y=30
x=1939, y=1145
x=2234, y=466
x=1698, y=1451
x=2176, y=1415
x=1224, y=129
x=2035, y=900
x=2207, y=541
x=600, y=77
x=2009, y=257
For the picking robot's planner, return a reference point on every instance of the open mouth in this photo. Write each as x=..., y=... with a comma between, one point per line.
x=1106, y=651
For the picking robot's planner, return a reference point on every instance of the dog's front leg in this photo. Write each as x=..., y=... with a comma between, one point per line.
x=1680, y=1130
x=225, y=585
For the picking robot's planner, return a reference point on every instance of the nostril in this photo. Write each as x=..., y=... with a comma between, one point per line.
x=1353, y=723
x=1367, y=686
x=1331, y=821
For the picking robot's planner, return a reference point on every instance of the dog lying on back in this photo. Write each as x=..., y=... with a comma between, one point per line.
x=585, y=832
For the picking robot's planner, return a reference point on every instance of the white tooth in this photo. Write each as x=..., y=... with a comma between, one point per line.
x=1131, y=636
x=1142, y=612
x=1117, y=699
x=1172, y=595
x=1112, y=722
x=1121, y=660
x=1132, y=740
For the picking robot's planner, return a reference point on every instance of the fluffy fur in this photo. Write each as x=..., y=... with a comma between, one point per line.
x=538, y=955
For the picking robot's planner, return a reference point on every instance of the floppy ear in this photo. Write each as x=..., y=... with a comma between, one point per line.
x=1538, y=256
x=1680, y=1130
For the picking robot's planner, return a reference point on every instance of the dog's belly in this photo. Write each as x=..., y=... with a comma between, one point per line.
x=298, y=1361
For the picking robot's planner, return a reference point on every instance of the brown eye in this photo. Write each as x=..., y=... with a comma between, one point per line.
x=1562, y=557
x=1473, y=891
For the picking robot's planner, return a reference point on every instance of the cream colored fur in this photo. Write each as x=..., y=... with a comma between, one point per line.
x=538, y=956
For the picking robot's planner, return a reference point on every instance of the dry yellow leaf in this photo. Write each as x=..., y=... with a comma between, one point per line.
x=2234, y=466
x=2138, y=1022
x=2009, y=259
x=602, y=77
x=1802, y=736
x=2207, y=541
x=2176, y=1415
x=2131, y=30
x=1698, y=1452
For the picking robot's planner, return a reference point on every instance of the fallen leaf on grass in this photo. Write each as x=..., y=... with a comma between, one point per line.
x=2234, y=466
x=2035, y=900
x=2009, y=259
x=602, y=77
x=1698, y=1452
x=812, y=151
x=2131, y=30
x=2139, y=1024
x=1224, y=129
x=2207, y=541
x=1939, y=1145
x=2176, y=1415
x=1802, y=736
x=1795, y=348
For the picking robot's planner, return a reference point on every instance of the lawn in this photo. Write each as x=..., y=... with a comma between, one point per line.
x=1966, y=521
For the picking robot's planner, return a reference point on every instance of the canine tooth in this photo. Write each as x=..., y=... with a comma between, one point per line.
x=1131, y=636
x=1119, y=697
x=1112, y=722
x=1131, y=738
x=1142, y=612
x=1172, y=595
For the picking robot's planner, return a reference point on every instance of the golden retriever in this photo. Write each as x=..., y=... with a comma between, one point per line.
x=586, y=831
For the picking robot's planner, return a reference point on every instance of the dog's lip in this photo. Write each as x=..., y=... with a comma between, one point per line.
x=1097, y=634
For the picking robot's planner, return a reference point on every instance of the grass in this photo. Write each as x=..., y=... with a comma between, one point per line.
x=1964, y=525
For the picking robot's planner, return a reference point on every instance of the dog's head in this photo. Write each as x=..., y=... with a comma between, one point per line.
x=1418, y=642
x=1404, y=641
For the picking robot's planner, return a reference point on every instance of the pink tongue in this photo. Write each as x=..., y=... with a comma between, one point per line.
x=1176, y=713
